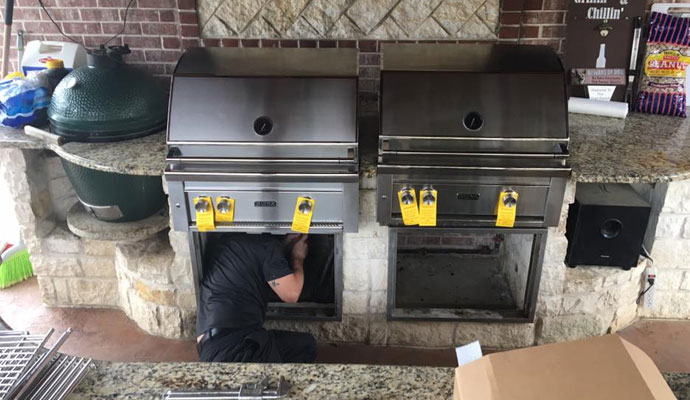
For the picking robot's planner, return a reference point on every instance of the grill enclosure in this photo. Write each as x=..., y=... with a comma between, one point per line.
x=471, y=121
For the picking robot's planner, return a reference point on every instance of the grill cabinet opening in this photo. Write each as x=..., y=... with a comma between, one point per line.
x=321, y=297
x=460, y=274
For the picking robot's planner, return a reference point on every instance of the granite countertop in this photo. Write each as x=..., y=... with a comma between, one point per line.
x=642, y=148
x=143, y=156
x=318, y=381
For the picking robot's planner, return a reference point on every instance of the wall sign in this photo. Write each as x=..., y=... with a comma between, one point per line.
x=599, y=35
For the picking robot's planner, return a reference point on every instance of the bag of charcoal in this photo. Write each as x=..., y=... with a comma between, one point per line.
x=662, y=85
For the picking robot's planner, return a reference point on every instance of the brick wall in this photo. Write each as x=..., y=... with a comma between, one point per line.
x=157, y=30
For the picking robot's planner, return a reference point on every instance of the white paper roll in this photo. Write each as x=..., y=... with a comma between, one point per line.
x=613, y=109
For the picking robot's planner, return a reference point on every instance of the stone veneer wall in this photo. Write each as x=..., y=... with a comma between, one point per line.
x=141, y=278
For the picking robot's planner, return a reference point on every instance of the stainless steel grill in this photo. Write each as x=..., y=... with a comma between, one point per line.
x=258, y=138
x=472, y=121
x=264, y=127
x=17, y=351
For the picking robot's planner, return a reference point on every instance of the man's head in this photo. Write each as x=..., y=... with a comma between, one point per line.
x=295, y=246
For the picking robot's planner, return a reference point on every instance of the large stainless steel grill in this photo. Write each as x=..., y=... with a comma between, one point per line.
x=264, y=127
x=257, y=139
x=472, y=122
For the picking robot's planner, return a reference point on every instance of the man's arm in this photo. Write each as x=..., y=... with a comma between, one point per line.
x=289, y=287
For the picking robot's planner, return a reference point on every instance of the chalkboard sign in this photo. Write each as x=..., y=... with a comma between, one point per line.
x=599, y=35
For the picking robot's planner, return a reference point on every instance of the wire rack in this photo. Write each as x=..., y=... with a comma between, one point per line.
x=29, y=371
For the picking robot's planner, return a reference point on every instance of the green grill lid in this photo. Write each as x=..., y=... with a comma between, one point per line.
x=108, y=100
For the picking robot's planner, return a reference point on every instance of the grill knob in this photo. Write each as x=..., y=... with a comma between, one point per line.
x=223, y=206
x=201, y=206
x=427, y=196
x=407, y=197
x=509, y=199
x=305, y=207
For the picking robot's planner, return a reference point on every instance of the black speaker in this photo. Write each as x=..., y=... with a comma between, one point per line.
x=606, y=226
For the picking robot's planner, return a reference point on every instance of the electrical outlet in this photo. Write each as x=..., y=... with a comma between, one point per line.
x=650, y=288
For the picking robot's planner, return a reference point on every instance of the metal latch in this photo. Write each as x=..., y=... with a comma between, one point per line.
x=249, y=391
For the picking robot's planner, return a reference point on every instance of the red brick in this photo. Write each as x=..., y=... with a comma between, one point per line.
x=367, y=46
x=160, y=29
x=348, y=44
x=230, y=42
x=162, y=55
x=189, y=43
x=555, y=5
x=74, y=3
x=34, y=3
x=113, y=3
x=288, y=44
x=508, y=32
x=171, y=43
x=369, y=72
x=324, y=44
x=143, y=42
x=132, y=28
x=270, y=43
x=99, y=14
x=96, y=41
x=189, y=30
x=167, y=15
x=58, y=14
x=542, y=17
x=530, y=32
x=186, y=4
x=250, y=43
x=510, y=18
x=39, y=27
x=552, y=31
x=307, y=43
x=135, y=55
x=150, y=68
x=187, y=17
x=534, y=4
x=156, y=3
x=368, y=85
x=141, y=15
x=512, y=5
x=554, y=43
x=211, y=42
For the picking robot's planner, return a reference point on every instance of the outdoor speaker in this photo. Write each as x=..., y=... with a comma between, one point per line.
x=606, y=226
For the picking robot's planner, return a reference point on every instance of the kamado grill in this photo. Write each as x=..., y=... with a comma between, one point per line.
x=464, y=125
x=265, y=141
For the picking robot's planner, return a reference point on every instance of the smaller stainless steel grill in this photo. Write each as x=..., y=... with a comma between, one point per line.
x=473, y=121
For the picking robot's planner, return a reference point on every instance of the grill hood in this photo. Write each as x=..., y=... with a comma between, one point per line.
x=107, y=101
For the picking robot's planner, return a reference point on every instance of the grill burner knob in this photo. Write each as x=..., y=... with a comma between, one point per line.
x=263, y=126
x=223, y=206
x=509, y=199
x=473, y=121
x=201, y=206
x=407, y=197
x=305, y=207
x=428, y=197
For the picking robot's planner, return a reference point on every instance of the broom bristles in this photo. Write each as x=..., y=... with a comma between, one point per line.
x=15, y=269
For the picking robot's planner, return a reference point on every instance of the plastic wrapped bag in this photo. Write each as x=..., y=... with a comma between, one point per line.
x=662, y=87
x=24, y=101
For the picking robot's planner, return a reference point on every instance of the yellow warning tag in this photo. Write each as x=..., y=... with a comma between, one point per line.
x=427, y=207
x=304, y=209
x=225, y=209
x=408, y=206
x=507, y=207
x=204, y=213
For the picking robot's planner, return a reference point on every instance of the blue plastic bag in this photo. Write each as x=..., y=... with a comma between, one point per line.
x=23, y=102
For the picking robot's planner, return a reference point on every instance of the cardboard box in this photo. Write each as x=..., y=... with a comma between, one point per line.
x=606, y=367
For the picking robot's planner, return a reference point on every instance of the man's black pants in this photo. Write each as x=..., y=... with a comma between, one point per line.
x=262, y=346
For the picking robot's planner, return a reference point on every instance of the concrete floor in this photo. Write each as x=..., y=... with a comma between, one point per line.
x=109, y=335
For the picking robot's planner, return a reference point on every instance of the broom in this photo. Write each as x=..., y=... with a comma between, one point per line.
x=14, y=266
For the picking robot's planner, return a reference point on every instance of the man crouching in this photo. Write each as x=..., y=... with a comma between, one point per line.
x=240, y=272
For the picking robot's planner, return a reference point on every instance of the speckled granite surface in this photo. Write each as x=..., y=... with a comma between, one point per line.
x=143, y=156
x=642, y=148
x=315, y=381
x=325, y=381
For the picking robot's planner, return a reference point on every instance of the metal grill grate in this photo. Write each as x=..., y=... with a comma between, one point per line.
x=18, y=350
